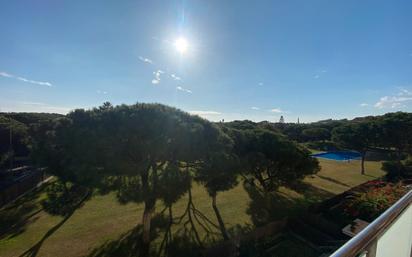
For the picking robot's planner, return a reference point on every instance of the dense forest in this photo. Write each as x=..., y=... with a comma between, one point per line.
x=17, y=133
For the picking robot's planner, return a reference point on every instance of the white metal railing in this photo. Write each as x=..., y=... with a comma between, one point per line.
x=390, y=235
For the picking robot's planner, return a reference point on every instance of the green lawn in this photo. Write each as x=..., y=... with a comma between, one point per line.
x=103, y=219
x=338, y=176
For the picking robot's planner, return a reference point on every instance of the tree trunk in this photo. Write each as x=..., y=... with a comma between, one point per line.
x=399, y=161
x=219, y=218
x=399, y=156
x=189, y=206
x=146, y=222
x=149, y=206
x=363, y=163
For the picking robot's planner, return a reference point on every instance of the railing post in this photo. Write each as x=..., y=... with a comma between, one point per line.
x=371, y=249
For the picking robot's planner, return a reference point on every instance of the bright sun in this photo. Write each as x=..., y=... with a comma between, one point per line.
x=181, y=45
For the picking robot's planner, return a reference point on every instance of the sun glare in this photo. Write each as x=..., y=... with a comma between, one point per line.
x=181, y=45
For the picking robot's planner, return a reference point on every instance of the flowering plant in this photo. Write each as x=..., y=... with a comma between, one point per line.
x=375, y=200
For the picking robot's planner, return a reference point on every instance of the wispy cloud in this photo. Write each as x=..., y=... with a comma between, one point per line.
x=157, y=74
x=276, y=110
x=392, y=101
x=319, y=73
x=184, y=89
x=32, y=103
x=254, y=108
x=146, y=60
x=260, y=83
x=40, y=83
x=175, y=77
x=363, y=104
x=5, y=74
x=37, y=107
x=404, y=92
x=101, y=92
x=200, y=113
x=395, y=101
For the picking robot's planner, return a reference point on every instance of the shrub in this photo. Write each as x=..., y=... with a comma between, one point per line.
x=370, y=204
x=323, y=145
x=397, y=170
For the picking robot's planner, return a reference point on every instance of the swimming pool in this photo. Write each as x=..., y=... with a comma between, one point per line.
x=339, y=155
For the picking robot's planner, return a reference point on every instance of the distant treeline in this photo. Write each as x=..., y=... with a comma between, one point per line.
x=390, y=133
x=19, y=129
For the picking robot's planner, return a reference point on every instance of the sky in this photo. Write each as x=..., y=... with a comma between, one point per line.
x=256, y=60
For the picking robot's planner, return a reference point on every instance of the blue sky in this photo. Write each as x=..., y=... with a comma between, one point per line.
x=253, y=60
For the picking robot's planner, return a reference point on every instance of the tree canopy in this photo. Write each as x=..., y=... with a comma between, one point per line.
x=270, y=159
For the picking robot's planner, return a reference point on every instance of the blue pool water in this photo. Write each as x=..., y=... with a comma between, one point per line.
x=339, y=155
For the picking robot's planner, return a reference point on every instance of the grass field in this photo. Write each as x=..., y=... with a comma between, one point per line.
x=103, y=219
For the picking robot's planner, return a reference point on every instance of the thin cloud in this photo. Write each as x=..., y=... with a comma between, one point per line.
x=33, y=103
x=175, y=77
x=146, y=60
x=392, y=102
x=254, y=108
x=200, y=113
x=39, y=107
x=276, y=110
x=395, y=101
x=364, y=104
x=101, y=92
x=260, y=83
x=40, y=83
x=183, y=89
x=319, y=73
x=157, y=74
x=404, y=92
x=5, y=74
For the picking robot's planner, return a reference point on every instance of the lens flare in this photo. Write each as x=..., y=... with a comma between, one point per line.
x=181, y=45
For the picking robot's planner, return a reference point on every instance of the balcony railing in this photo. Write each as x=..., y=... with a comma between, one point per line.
x=390, y=235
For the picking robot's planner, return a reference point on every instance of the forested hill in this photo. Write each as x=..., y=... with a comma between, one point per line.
x=23, y=127
x=28, y=118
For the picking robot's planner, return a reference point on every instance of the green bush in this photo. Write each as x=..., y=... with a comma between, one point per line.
x=395, y=170
x=323, y=145
x=370, y=204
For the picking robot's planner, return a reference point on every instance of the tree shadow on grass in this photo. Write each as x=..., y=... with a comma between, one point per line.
x=130, y=244
x=62, y=204
x=193, y=231
x=16, y=216
x=311, y=194
x=333, y=181
x=127, y=245
x=266, y=207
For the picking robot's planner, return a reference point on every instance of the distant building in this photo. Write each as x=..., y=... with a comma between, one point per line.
x=281, y=120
